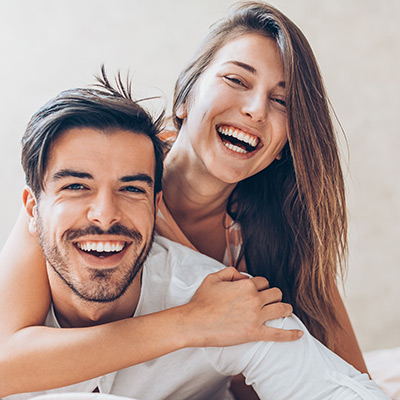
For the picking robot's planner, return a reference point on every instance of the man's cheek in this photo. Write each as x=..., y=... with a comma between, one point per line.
x=66, y=213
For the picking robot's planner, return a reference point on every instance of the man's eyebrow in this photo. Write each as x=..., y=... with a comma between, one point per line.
x=138, y=177
x=251, y=69
x=66, y=173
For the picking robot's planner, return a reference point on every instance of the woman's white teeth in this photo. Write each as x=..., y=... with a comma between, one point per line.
x=239, y=135
x=101, y=247
x=235, y=148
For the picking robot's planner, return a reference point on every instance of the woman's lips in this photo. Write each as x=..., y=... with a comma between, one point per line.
x=237, y=140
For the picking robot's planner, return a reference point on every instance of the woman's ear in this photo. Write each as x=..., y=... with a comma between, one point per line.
x=181, y=111
x=29, y=200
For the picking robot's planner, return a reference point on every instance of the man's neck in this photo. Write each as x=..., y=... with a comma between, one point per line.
x=73, y=312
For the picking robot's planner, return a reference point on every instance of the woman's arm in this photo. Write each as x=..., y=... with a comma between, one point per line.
x=346, y=345
x=34, y=357
x=24, y=285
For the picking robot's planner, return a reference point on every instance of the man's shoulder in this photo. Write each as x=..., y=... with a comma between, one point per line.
x=169, y=259
x=170, y=256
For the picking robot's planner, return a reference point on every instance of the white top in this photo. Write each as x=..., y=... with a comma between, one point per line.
x=303, y=369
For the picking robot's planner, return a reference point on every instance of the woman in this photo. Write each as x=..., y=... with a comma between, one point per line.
x=253, y=180
x=290, y=206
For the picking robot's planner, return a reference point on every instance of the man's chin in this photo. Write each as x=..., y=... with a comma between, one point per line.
x=99, y=296
x=105, y=286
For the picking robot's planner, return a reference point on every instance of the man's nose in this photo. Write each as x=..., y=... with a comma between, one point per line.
x=104, y=210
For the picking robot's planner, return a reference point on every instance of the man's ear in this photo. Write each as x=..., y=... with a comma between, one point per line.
x=30, y=203
x=181, y=111
x=157, y=202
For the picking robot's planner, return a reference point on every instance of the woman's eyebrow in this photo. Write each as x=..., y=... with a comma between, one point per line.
x=247, y=67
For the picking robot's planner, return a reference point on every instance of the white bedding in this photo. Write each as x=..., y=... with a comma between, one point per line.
x=384, y=368
x=80, y=396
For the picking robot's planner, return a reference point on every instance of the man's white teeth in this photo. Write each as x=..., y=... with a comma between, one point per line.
x=239, y=135
x=234, y=148
x=101, y=247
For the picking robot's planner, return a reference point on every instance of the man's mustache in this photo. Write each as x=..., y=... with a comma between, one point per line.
x=116, y=229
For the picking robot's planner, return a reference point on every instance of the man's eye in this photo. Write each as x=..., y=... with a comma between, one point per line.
x=133, y=189
x=75, y=186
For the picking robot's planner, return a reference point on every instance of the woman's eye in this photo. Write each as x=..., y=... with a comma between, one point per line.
x=280, y=102
x=75, y=186
x=235, y=81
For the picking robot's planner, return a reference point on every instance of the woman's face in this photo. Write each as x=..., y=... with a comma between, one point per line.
x=235, y=119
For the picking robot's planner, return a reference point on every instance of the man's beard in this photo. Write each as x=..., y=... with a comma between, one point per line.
x=100, y=287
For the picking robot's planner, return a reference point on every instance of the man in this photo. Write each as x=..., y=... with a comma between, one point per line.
x=94, y=180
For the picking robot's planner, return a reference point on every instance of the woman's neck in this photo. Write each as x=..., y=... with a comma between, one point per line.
x=189, y=191
x=196, y=200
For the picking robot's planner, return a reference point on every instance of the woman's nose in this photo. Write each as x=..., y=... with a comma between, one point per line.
x=256, y=107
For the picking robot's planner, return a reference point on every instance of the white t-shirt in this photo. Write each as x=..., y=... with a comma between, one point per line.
x=303, y=369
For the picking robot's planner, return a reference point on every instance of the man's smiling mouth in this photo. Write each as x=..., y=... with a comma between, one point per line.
x=237, y=140
x=101, y=249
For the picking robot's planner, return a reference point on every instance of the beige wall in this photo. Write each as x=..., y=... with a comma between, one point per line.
x=47, y=46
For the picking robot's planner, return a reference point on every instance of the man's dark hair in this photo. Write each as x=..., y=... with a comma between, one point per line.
x=102, y=107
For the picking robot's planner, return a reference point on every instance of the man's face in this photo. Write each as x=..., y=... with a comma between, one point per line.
x=95, y=216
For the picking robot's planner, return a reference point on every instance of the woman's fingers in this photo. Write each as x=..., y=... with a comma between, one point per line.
x=228, y=274
x=274, y=309
x=230, y=308
x=269, y=296
x=260, y=283
x=277, y=310
x=280, y=335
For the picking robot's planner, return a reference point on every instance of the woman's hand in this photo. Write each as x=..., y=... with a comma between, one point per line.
x=230, y=308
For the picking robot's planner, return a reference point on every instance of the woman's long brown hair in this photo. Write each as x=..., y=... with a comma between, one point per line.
x=292, y=214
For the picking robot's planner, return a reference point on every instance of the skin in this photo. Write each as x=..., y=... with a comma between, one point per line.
x=200, y=174
x=105, y=188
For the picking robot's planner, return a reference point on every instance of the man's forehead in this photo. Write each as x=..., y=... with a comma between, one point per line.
x=107, y=151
